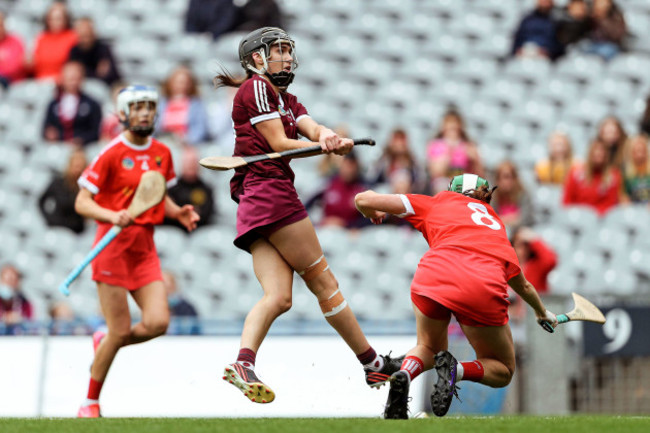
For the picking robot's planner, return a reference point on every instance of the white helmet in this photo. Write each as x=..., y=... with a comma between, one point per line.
x=132, y=94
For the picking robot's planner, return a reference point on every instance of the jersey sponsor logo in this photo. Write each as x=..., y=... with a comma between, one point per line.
x=158, y=160
x=127, y=191
x=128, y=163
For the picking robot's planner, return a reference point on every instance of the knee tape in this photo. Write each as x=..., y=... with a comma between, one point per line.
x=314, y=270
x=334, y=304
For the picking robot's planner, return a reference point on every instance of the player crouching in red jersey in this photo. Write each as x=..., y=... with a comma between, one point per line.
x=464, y=234
x=130, y=263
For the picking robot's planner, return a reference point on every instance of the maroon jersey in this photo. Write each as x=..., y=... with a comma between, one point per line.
x=255, y=102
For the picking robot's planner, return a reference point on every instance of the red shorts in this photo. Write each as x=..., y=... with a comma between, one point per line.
x=470, y=285
x=130, y=261
x=436, y=311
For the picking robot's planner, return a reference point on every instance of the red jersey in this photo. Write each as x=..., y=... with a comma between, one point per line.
x=470, y=258
x=115, y=173
x=255, y=102
x=600, y=194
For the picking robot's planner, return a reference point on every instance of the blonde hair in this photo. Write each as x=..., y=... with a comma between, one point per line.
x=631, y=170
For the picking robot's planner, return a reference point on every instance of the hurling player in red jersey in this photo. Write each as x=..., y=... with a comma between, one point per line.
x=130, y=264
x=465, y=272
x=272, y=223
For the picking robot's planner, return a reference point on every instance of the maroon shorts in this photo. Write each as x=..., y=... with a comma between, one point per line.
x=266, y=205
x=437, y=311
x=130, y=261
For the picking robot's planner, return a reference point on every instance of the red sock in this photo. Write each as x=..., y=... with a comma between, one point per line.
x=473, y=371
x=367, y=357
x=246, y=358
x=413, y=366
x=94, y=388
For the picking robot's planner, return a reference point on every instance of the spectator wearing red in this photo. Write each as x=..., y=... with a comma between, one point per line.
x=451, y=153
x=596, y=183
x=182, y=113
x=12, y=55
x=53, y=44
x=536, y=258
x=72, y=116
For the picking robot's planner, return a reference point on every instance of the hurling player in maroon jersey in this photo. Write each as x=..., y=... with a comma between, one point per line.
x=272, y=223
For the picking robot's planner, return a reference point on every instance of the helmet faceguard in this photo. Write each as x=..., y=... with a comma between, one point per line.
x=465, y=183
x=134, y=94
x=260, y=41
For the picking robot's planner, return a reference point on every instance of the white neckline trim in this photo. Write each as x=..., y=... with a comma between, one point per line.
x=138, y=147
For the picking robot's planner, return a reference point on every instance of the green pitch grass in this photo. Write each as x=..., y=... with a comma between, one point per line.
x=497, y=424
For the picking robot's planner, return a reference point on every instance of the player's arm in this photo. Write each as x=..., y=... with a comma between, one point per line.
x=375, y=206
x=328, y=139
x=528, y=293
x=186, y=215
x=86, y=206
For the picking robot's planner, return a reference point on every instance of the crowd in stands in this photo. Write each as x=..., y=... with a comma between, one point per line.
x=614, y=171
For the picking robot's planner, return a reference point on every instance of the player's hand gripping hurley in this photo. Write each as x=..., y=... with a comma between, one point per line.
x=223, y=163
x=150, y=191
x=582, y=310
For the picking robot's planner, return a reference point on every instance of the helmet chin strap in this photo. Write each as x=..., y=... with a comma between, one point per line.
x=281, y=79
x=142, y=131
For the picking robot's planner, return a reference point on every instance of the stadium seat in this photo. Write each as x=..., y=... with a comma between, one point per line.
x=170, y=240
x=631, y=66
x=530, y=70
x=631, y=218
x=563, y=280
x=581, y=68
x=578, y=219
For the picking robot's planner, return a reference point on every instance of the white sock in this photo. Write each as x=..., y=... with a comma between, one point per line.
x=88, y=402
x=376, y=364
x=459, y=372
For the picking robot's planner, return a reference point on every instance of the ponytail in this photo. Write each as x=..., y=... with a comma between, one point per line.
x=482, y=193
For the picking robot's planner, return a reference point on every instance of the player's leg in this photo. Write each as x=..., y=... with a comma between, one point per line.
x=118, y=321
x=276, y=278
x=495, y=352
x=432, y=321
x=152, y=300
x=494, y=366
x=299, y=246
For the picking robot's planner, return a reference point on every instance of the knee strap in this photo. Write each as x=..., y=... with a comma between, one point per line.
x=314, y=270
x=334, y=304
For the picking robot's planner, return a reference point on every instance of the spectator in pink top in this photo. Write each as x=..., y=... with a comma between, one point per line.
x=451, y=153
x=12, y=56
x=53, y=44
x=182, y=113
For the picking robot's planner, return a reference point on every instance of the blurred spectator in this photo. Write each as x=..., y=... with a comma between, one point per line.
x=511, y=200
x=536, y=258
x=111, y=126
x=191, y=189
x=184, y=315
x=536, y=35
x=554, y=168
x=611, y=132
x=57, y=201
x=574, y=23
x=12, y=55
x=181, y=111
x=608, y=30
x=72, y=116
x=53, y=44
x=637, y=169
x=644, y=124
x=220, y=127
x=596, y=183
x=14, y=306
x=222, y=16
x=337, y=197
x=451, y=153
x=95, y=55
x=64, y=321
x=397, y=159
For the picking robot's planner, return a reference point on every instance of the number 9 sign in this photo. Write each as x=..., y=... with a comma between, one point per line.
x=618, y=329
